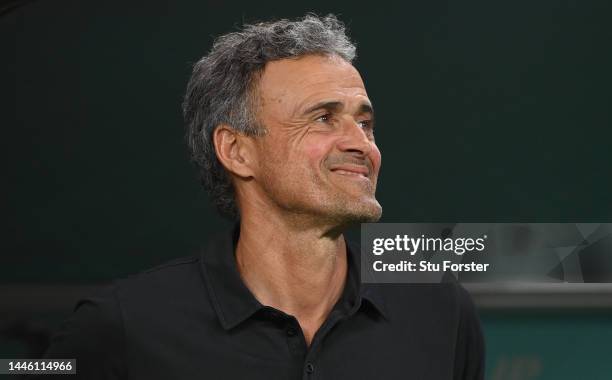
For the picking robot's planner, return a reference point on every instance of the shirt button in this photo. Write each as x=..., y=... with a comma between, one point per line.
x=309, y=368
x=291, y=331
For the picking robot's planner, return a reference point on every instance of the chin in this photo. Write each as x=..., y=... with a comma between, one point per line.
x=369, y=216
x=358, y=212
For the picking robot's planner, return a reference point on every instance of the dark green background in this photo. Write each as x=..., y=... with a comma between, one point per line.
x=487, y=111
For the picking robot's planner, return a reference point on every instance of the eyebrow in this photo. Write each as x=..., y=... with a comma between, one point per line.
x=334, y=106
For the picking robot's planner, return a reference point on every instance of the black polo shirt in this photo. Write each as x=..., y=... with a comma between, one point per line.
x=194, y=318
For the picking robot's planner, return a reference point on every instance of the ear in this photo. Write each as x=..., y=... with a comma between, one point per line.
x=234, y=150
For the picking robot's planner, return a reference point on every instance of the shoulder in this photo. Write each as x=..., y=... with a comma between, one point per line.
x=470, y=343
x=446, y=304
x=446, y=317
x=94, y=336
x=178, y=275
x=105, y=305
x=164, y=291
x=104, y=314
x=97, y=333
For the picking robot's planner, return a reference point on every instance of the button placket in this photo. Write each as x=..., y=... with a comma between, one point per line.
x=291, y=332
x=295, y=341
x=309, y=368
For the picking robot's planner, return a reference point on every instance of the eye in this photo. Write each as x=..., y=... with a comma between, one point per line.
x=325, y=118
x=366, y=124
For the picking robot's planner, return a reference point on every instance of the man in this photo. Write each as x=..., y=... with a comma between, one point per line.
x=282, y=130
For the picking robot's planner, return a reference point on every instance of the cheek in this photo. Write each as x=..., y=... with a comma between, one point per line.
x=315, y=150
x=376, y=158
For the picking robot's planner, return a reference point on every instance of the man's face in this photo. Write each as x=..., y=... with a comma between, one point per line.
x=318, y=157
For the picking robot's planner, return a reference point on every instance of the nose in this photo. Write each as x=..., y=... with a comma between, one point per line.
x=354, y=138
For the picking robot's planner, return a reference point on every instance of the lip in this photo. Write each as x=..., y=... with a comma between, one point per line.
x=351, y=170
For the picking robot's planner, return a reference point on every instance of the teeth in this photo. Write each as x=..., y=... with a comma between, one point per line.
x=345, y=172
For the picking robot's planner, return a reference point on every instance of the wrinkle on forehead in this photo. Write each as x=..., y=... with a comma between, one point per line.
x=287, y=86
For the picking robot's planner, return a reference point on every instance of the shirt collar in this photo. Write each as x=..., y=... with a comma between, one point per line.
x=368, y=292
x=233, y=301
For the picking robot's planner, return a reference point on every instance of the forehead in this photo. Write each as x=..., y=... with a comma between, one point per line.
x=308, y=78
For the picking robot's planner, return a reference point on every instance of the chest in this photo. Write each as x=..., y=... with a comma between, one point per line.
x=357, y=348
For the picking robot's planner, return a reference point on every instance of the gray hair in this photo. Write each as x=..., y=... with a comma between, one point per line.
x=222, y=86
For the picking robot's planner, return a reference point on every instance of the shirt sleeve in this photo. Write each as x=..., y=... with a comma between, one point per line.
x=94, y=336
x=470, y=349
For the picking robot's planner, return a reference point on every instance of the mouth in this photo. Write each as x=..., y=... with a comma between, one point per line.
x=357, y=171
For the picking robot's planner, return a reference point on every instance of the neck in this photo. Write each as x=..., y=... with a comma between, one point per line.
x=299, y=271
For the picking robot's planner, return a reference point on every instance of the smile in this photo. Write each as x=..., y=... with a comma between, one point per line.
x=356, y=171
x=349, y=173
